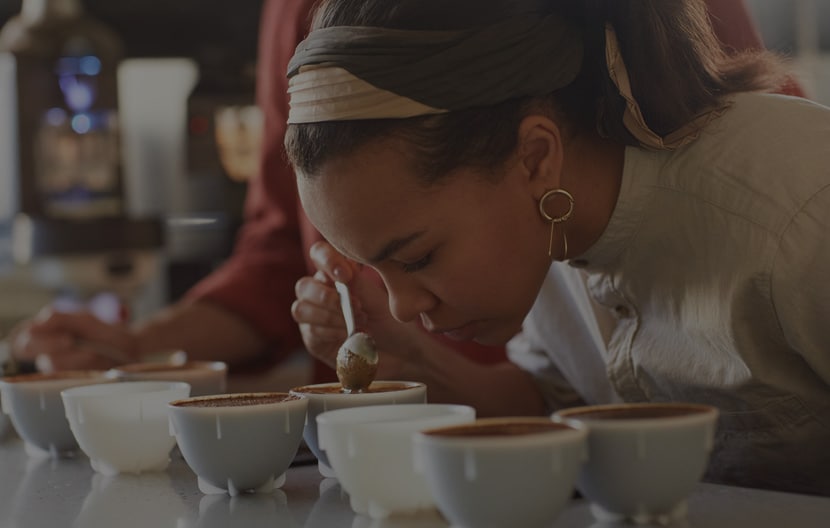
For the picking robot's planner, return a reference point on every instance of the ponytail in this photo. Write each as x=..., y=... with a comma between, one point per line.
x=676, y=65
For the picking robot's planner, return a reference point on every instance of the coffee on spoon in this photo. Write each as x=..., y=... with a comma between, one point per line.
x=357, y=362
x=357, y=358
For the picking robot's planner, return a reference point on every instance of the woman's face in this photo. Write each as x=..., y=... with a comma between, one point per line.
x=467, y=255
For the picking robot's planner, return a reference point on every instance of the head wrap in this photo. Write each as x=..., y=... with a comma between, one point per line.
x=347, y=72
x=354, y=72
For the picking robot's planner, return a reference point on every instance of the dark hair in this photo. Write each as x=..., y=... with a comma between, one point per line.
x=676, y=66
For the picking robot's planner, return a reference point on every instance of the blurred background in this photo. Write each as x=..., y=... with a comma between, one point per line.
x=185, y=88
x=801, y=30
x=188, y=132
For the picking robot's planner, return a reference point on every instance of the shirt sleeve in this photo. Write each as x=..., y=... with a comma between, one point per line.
x=556, y=391
x=563, y=343
x=800, y=285
x=257, y=280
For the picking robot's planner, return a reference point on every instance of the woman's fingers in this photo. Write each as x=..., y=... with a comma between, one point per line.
x=323, y=343
x=315, y=290
x=317, y=312
x=331, y=262
x=308, y=313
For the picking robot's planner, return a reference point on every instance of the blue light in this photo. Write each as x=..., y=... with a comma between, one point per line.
x=79, y=92
x=90, y=65
x=81, y=123
x=66, y=66
x=55, y=117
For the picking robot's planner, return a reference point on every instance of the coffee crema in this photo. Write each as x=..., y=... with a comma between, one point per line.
x=645, y=412
x=241, y=400
x=338, y=389
x=499, y=429
x=164, y=367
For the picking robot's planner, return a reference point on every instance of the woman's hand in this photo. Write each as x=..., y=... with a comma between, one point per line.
x=57, y=340
x=406, y=352
x=318, y=313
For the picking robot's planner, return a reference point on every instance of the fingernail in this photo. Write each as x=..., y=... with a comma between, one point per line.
x=43, y=363
x=43, y=314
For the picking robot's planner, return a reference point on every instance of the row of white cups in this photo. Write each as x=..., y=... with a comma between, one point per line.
x=391, y=451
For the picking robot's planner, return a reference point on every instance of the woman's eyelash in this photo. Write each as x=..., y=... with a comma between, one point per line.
x=418, y=264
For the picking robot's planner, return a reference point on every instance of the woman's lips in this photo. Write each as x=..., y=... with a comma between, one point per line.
x=464, y=332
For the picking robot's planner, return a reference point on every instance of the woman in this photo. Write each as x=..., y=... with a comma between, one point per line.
x=466, y=150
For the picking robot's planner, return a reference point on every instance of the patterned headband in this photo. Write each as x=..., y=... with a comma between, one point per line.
x=350, y=73
x=340, y=73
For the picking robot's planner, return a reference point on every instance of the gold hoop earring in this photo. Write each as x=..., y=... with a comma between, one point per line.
x=555, y=220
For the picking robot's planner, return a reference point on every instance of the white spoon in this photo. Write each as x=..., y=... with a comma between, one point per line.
x=357, y=358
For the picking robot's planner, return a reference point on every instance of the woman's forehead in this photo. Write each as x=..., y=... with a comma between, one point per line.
x=367, y=201
x=360, y=201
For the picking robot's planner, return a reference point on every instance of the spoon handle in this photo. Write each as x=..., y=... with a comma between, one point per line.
x=346, y=305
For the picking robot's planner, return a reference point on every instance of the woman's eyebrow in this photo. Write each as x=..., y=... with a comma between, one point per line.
x=393, y=247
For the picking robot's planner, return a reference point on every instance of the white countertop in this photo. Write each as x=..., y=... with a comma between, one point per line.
x=45, y=493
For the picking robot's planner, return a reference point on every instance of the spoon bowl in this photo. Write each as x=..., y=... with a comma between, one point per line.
x=357, y=358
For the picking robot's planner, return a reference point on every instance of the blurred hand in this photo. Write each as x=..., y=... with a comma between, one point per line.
x=318, y=314
x=57, y=340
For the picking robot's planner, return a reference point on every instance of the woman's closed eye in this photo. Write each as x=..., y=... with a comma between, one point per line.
x=417, y=265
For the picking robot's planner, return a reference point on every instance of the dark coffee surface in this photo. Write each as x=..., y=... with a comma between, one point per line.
x=500, y=429
x=241, y=400
x=635, y=413
x=160, y=367
x=338, y=389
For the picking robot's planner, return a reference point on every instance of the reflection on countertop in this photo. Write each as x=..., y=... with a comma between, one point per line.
x=251, y=511
x=130, y=501
x=40, y=493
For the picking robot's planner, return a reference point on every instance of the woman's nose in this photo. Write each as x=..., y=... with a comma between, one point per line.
x=408, y=299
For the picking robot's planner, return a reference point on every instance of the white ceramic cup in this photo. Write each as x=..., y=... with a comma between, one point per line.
x=123, y=427
x=239, y=443
x=644, y=459
x=502, y=472
x=204, y=377
x=324, y=397
x=33, y=402
x=370, y=450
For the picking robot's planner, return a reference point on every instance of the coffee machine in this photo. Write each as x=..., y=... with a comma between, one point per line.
x=62, y=203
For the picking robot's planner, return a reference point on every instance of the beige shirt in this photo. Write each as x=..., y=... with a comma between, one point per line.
x=710, y=284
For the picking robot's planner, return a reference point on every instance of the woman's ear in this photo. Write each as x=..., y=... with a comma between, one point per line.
x=540, y=152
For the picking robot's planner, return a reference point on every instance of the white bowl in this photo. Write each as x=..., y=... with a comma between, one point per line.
x=324, y=397
x=204, y=377
x=33, y=402
x=644, y=458
x=123, y=427
x=476, y=470
x=370, y=450
x=239, y=442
